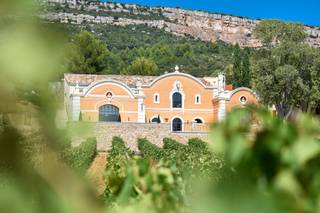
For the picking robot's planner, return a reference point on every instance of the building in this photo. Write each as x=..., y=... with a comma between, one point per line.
x=177, y=98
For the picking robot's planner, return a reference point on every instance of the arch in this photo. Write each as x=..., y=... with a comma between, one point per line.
x=109, y=113
x=178, y=74
x=116, y=103
x=111, y=82
x=198, y=120
x=156, y=119
x=177, y=124
x=177, y=100
x=243, y=89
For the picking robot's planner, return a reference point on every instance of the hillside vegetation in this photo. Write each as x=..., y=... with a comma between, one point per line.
x=126, y=44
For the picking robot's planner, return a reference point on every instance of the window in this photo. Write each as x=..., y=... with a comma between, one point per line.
x=177, y=125
x=243, y=99
x=109, y=113
x=156, y=98
x=198, y=121
x=176, y=100
x=156, y=119
x=197, y=99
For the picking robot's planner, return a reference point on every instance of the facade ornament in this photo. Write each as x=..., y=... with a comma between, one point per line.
x=177, y=87
x=176, y=68
x=109, y=97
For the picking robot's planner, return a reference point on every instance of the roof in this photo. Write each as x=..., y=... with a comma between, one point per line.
x=130, y=80
x=87, y=79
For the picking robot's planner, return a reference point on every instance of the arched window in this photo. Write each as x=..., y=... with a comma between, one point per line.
x=177, y=125
x=176, y=100
x=109, y=113
x=198, y=121
x=156, y=120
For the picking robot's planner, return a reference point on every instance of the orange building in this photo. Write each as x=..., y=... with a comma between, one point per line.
x=177, y=98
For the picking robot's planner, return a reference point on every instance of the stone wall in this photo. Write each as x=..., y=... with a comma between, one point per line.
x=131, y=132
x=197, y=24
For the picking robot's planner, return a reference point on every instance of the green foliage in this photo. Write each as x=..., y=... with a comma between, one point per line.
x=285, y=73
x=119, y=148
x=149, y=150
x=273, y=32
x=129, y=177
x=86, y=54
x=116, y=170
x=79, y=158
x=175, y=154
x=197, y=145
x=194, y=160
x=128, y=43
x=166, y=175
x=241, y=70
x=315, y=82
x=142, y=66
x=276, y=161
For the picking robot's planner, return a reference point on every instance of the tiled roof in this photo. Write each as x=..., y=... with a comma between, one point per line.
x=129, y=80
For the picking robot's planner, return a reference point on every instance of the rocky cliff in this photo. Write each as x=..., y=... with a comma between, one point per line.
x=197, y=24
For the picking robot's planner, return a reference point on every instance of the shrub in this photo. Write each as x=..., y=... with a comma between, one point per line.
x=149, y=150
x=175, y=153
x=171, y=144
x=202, y=160
x=79, y=158
x=197, y=144
x=116, y=169
x=119, y=147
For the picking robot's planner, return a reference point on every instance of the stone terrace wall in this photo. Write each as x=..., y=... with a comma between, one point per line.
x=131, y=132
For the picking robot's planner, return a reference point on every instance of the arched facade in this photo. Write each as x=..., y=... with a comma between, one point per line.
x=241, y=97
x=141, y=99
x=188, y=87
x=109, y=93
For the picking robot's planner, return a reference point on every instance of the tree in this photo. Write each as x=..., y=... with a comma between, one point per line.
x=228, y=70
x=285, y=71
x=237, y=66
x=272, y=32
x=283, y=86
x=315, y=83
x=246, y=68
x=87, y=54
x=241, y=74
x=142, y=66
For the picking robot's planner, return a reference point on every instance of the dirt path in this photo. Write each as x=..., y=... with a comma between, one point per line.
x=96, y=171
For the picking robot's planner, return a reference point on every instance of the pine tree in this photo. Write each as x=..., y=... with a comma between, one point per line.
x=237, y=67
x=245, y=68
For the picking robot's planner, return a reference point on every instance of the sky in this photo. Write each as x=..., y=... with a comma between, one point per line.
x=303, y=11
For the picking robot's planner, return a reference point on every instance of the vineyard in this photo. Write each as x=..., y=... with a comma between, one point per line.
x=162, y=174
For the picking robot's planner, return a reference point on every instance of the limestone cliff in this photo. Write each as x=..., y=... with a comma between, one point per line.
x=197, y=24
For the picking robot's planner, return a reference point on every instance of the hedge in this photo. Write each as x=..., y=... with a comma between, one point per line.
x=80, y=158
x=149, y=150
x=198, y=144
x=119, y=148
x=171, y=144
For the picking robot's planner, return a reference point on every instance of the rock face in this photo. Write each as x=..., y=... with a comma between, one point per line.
x=197, y=24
